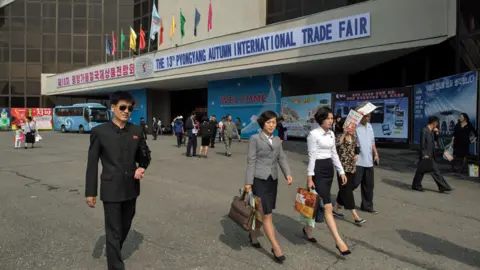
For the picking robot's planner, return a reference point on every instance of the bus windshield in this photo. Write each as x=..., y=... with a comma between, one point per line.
x=99, y=115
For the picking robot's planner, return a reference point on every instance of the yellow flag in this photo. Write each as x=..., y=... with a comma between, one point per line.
x=172, y=30
x=133, y=40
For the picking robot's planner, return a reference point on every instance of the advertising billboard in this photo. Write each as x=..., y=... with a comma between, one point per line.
x=389, y=120
x=446, y=98
x=246, y=98
x=4, y=118
x=298, y=113
x=41, y=116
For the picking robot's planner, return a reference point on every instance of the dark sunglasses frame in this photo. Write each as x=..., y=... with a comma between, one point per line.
x=124, y=107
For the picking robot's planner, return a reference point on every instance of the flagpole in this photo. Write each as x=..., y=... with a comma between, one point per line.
x=139, y=34
x=121, y=44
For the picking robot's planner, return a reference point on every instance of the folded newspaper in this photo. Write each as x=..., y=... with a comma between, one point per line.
x=355, y=116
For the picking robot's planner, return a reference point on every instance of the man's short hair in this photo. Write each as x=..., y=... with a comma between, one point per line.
x=121, y=95
x=433, y=119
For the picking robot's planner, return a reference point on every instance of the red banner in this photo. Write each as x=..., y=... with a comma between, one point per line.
x=42, y=117
x=17, y=117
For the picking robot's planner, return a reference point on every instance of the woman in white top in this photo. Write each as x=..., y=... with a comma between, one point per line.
x=323, y=158
x=30, y=131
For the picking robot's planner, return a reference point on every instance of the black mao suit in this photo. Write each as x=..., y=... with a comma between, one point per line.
x=427, y=149
x=120, y=150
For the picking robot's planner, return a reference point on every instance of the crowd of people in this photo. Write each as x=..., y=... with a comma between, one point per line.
x=351, y=153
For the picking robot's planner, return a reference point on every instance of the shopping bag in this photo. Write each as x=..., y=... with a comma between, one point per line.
x=308, y=204
x=38, y=137
x=448, y=153
x=246, y=210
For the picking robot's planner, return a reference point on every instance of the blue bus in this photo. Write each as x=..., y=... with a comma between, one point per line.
x=79, y=117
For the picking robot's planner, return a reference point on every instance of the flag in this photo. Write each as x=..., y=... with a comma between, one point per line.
x=133, y=40
x=108, y=46
x=155, y=23
x=182, y=24
x=142, y=39
x=197, y=21
x=114, y=47
x=161, y=32
x=210, y=17
x=172, y=30
x=122, y=41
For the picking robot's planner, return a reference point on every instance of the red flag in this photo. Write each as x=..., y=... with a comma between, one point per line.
x=161, y=32
x=210, y=17
x=142, y=39
x=114, y=47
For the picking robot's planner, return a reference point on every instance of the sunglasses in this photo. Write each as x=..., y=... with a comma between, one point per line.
x=124, y=107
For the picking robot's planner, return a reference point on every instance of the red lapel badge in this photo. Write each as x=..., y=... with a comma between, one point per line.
x=135, y=137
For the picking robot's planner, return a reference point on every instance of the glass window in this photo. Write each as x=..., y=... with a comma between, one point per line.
x=33, y=10
x=80, y=26
x=33, y=88
x=94, y=57
x=17, y=8
x=79, y=57
x=33, y=55
x=34, y=24
x=125, y=11
x=95, y=11
x=64, y=41
x=17, y=55
x=4, y=87
x=17, y=70
x=4, y=55
x=80, y=42
x=17, y=24
x=4, y=71
x=17, y=88
x=34, y=40
x=48, y=41
x=137, y=12
x=65, y=26
x=17, y=102
x=50, y=68
x=64, y=67
x=49, y=10
x=275, y=6
x=49, y=25
x=17, y=40
x=3, y=100
x=48, y=57
x=94, y=26
x=95, y=42
x=33, y=102
x=64, y=57
x=145, y=7
x=34, y=71
x=64, y=10
x=80, y=11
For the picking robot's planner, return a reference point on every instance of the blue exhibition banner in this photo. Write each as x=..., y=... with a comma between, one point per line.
x=446, y=98
x=389, y=120
x=246, y=98
x=140, y=109
x=347, y=28
x=298, y=113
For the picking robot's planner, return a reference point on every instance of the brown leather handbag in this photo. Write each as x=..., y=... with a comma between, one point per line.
x=242, y=213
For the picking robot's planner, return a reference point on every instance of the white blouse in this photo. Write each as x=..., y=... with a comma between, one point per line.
x=321, y=145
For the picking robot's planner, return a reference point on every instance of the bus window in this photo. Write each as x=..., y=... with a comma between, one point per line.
x=99, y=115
x=86, y=114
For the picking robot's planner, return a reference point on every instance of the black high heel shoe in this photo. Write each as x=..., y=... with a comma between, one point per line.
x=279, y=259
x=255, y=245
x=344, y=253
x=311, y=240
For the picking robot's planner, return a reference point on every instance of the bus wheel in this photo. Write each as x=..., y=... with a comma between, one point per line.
x=63, y=129
x=81, y=129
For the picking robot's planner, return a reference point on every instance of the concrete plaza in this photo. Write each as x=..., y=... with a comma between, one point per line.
x=181, y=218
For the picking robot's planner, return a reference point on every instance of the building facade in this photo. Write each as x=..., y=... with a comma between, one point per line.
x=53, y=36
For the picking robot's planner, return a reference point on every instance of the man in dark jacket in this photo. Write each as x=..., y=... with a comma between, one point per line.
x=120, y=146
x=428, y=136
x=192, y=135
x=144, y=126
x=214, y=122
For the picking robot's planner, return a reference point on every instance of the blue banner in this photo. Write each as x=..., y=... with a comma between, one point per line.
x=353, y=27
x=298, y=113
x=246, y=98
x=140, y=109
x=389, y=120
x=446, y=98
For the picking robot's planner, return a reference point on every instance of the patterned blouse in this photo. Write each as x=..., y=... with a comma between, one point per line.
x=347, y=151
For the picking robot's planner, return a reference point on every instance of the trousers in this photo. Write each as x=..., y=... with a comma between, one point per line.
x=228, y=144
x=192, y=145
x=437, y=177
x=118, y=220
x=365, y=177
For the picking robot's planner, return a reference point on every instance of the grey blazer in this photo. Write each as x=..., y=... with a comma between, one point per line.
x=263, y=158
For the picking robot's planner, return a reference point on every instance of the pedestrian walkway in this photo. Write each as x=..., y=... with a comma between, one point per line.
x=181, y=220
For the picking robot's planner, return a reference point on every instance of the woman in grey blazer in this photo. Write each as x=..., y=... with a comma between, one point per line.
x=265, y=153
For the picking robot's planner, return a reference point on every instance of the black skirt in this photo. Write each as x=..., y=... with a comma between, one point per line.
x=323, y=179
x=345, y=193
x=30, y=137
x=206, y=140
x=266, y=190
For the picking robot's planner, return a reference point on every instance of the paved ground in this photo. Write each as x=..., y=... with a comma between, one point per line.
x=181, y=218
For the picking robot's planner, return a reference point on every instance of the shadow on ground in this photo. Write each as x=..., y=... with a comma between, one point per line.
x=132, y=244
x=436, y=246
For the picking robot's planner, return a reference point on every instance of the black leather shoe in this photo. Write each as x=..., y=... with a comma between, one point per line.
x=418, y=189
x=344, y=253
x=279, y=259
x=311, y=240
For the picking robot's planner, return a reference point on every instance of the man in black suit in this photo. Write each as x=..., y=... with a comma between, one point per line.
x=214, y=123
x=120, y=146
x=192, y=135
x=428, y=136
